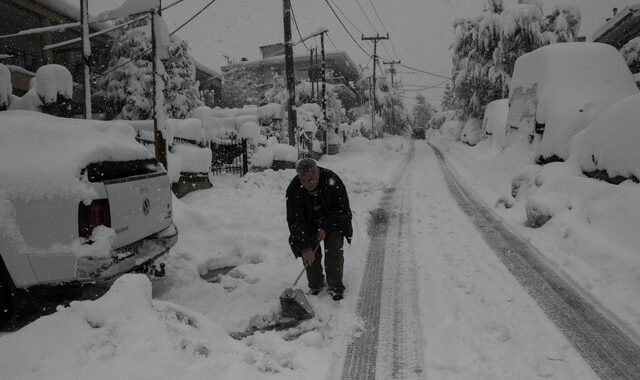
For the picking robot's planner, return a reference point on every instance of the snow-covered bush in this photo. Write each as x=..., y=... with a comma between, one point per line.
x=631, y=54
x=611, y=142
x=471, y=132
x=452, y=129
x=284, y=152
x=541, y=207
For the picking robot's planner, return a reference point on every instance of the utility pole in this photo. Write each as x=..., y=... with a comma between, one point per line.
x=392, y=70
x=288, y=64
x=86, y=55
x=324, y=96
x=375, y=40
x=159, y=122
x=312, y=74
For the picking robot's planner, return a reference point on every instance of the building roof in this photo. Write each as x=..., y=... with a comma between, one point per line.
x=621, y=28
x=340, y=60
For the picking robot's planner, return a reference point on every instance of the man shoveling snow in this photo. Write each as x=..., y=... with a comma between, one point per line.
x=318, y=210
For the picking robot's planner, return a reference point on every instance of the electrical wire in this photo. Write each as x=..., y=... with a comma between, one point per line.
x=332, y=43
x=366, y=17
x=295, y=22
x=346, y=30
x=385, y=28
x=425, y=72
x=192, y=17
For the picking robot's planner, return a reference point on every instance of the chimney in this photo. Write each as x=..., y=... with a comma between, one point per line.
x=615, y=11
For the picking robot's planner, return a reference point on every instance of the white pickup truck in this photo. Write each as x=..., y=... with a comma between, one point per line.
x=80, y=201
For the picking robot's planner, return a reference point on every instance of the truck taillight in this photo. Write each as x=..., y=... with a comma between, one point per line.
x=93, y=215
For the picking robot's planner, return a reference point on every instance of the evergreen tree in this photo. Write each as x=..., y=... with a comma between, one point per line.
x=180, y=84
x=422, y=112
x=241, y=86
x=128, y=90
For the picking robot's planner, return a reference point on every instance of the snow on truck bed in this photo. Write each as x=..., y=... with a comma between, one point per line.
x=41, y=156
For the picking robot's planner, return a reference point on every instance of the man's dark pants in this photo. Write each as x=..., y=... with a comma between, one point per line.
x=333, y=263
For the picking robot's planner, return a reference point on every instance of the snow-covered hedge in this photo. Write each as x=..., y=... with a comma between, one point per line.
x=612, y=140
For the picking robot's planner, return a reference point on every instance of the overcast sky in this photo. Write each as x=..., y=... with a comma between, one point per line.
x=420, y=30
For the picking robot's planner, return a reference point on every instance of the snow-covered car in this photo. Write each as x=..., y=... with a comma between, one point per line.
x=608, y=148
x=558, y=89
x=80, y=201
x=494, y=123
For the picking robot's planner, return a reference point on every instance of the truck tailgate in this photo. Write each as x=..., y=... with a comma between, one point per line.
x=139, y=206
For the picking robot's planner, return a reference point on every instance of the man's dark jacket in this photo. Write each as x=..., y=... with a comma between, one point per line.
x=335, y=208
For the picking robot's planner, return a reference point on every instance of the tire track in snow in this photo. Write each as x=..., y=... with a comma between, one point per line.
x=610, y=352
x=390, y=346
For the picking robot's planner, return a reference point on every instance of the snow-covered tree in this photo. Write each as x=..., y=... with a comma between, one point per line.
x=486, y=47
x=631, y=53
x=127, y=89
x=563, y=23
x=422, y=112
x=241, y=86
x=180, y=84
x=5, y=87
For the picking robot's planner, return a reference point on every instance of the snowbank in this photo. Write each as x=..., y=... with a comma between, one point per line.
x=452, y=129
x=127, y=334
x=612, y=140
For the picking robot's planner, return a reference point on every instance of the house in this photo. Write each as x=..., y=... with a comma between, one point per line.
x=210, y=84
x=23, y=55
x=341, y=71
x=621, y=28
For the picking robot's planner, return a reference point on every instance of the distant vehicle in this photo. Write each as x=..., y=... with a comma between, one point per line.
x=80, y=202
x=558, y=89
x=419, y=133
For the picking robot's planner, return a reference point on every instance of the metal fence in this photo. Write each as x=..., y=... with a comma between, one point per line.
x=227, y=156
x=230, y=156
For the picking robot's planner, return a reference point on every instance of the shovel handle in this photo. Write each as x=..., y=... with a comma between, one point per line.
x=305, y=268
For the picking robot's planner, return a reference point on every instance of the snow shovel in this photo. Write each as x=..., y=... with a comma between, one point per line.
x=294, y=303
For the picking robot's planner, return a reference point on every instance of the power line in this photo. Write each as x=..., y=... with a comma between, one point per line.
x=346, y=30
x=192, y=17
x=332, y=43
x=295, y=22
x=384, y=27
x=366, y=17
x=425, y=72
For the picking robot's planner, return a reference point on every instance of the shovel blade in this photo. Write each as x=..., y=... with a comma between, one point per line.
x=294, y=304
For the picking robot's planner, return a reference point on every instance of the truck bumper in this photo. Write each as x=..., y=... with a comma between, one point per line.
x=127, y=258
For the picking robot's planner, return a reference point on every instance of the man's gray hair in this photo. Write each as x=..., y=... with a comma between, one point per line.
x=306, y=165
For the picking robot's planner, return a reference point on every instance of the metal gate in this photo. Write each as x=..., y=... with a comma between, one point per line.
x=229, y=156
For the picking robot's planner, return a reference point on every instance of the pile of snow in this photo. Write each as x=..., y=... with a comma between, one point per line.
x=494, y=123
x=262, y=157
x=189, y=129
x=284, y=152
x=193, y=159
x=127, y=334
x=612, y=140
x=571, y=83
x=41, y=156
x=53, y=80
x=472, y=132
